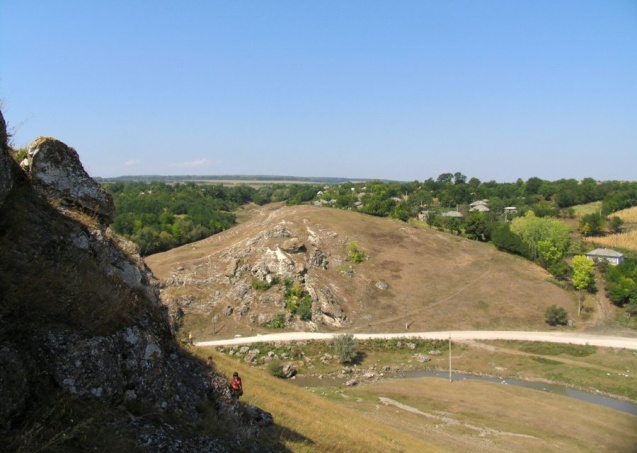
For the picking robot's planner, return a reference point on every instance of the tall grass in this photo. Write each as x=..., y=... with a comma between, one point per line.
x=588, y=208
x=305, y=422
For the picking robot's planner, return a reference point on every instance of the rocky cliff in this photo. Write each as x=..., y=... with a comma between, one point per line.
x=87, y=358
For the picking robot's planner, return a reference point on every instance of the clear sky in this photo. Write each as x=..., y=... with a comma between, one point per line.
x=392, y=89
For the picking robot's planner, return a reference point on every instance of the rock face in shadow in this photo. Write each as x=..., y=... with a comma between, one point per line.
x=6, y=173
x=56, y=171
x=82, y=326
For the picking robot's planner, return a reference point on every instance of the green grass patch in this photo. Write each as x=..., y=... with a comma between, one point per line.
x=260, y=285
x=558, y=349
x=545, y=361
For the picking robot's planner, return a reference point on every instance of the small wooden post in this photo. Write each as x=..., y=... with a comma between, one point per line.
x=450, y=380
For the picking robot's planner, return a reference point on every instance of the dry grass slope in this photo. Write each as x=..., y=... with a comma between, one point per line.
x=436, y=281
x=305, y=422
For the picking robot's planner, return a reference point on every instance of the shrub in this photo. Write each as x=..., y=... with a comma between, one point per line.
x=556, y=316
x=298, y=301
x=304, y=310
x=19, y=154
x=355, y=255
x=260, y=285
x=345, y=346
x=275, y=368
x=279, y=321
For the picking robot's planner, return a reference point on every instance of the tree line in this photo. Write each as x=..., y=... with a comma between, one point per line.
x=158, y=216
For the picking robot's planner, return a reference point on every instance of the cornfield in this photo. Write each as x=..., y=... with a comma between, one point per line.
x=628, y=215
x=627, y=240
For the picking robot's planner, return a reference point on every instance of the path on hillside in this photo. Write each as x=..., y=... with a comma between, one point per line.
x=550, y=337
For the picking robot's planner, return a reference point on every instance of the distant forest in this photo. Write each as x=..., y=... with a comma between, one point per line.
x=158, y=216
x=161, y=214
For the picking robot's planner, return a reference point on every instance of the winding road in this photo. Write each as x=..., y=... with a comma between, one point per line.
x=550, y=337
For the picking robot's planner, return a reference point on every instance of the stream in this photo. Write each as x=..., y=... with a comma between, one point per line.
x=558, y=389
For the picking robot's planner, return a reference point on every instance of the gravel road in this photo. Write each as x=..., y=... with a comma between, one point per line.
x=551, y=337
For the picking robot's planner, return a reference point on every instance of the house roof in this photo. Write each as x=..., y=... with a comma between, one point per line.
x=451, y=214
x=607, y=253
x=479, y=203
x=480, y=207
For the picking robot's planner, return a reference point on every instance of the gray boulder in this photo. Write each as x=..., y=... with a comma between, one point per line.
x=422, y=358
x=293, y=245
x=56, y=171
x=288, y=371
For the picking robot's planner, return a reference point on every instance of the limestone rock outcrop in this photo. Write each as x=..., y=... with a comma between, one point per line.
x=82, y=325
x=56, y=171
x=250, y=277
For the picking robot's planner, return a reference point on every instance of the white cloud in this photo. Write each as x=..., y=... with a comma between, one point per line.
x=192, y=163
x=132, y=162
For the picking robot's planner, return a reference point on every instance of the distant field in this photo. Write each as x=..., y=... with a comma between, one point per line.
x=588, y=208
x=256, y=183
x=238, y=179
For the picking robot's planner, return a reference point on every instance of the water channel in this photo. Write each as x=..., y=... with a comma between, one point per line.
x=623, y=406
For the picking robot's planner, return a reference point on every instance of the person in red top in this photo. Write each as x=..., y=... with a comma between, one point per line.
x=236, y=385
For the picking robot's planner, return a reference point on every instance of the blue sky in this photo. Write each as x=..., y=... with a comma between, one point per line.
x=402, y=90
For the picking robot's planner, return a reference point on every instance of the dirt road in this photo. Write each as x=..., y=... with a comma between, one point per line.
x=551, y=337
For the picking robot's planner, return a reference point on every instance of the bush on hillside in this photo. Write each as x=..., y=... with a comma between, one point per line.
x=355, y=254
x=260, y=285
x=345, y=346
x=556, y=316
x=275, y=368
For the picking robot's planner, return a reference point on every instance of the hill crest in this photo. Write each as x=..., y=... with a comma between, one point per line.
x=413, y=278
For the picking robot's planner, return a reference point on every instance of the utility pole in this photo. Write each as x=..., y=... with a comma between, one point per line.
x=214, y=323
x=450, y=380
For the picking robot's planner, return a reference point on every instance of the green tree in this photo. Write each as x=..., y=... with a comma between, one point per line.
x=583, y=278
x=345, y=346
x=504, y=239
x=591, y=224
x=560, y=270
x=535, y=230
x=548, y=253
x=476, y=226
x=621, y=282
x=615, y=224
x=454, y=225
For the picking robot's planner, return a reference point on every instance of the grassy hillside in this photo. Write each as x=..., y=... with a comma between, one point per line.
x=432, y=414
x=435, y=281
x=306, y=422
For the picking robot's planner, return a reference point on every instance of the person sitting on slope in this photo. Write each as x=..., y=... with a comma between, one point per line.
x=236, y=385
